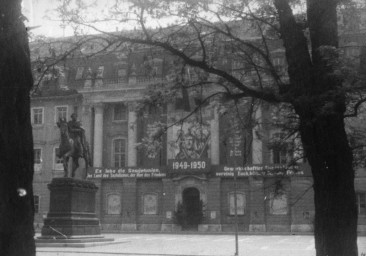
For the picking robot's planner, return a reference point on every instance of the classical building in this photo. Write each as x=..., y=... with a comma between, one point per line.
x=190, y=176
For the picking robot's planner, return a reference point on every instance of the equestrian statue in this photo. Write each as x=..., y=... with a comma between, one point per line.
x=73, y=146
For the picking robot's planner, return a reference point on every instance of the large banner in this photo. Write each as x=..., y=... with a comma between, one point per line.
x=190, y=140
x=125, y=172
x=260, y=170
x=236, y=135
x=189, y=144
x=153, y=149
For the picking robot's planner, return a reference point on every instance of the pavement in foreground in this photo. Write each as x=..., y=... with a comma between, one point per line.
x=198, y=245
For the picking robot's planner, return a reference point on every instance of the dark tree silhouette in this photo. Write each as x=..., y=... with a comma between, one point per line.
x=16, y=142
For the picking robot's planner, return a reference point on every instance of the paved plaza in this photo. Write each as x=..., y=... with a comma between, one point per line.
x=198, y=244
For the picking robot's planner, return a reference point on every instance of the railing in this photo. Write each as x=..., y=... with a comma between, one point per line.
x=59, y=232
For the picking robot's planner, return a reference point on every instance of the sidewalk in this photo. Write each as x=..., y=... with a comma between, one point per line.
x=138, y=244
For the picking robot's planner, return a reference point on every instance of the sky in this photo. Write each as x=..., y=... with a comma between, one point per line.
x=36, y=11
x=40, y=14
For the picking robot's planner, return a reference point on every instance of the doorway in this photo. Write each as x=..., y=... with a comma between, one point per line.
x=192, y=207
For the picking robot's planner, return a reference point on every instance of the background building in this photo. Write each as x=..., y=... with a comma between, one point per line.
x=189, y=179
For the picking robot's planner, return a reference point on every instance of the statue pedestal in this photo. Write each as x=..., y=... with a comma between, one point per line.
x=72, y=209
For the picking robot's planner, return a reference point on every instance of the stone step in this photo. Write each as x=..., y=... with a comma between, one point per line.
x=75, y=242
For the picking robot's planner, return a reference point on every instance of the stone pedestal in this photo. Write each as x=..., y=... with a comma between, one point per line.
x=72, y=209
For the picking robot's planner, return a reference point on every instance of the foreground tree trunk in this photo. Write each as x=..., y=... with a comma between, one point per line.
x=16, y=142
x=330, y=157
x=320, y=105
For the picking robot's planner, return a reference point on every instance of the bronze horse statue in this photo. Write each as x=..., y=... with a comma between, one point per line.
x=71, y=150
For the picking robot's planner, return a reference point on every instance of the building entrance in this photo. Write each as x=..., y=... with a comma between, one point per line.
x=192, y=208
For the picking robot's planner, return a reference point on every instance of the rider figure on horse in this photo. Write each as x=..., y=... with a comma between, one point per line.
x=77, y=133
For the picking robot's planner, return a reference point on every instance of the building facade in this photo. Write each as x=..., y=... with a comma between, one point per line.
x=203, y=174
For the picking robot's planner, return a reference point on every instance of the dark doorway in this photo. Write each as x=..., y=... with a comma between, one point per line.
x=193, y=208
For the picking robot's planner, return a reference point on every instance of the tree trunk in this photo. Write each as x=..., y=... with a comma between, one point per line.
x=315, y=95
x=16, y=142
x=327, y=150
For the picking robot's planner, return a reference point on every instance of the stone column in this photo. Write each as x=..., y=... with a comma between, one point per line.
x=170, y=132
x=215, y=139
x=257, y=145
x=86, y=120
x=132, y=136
x=98, y=136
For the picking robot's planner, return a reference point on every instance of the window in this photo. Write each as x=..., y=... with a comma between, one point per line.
x=76, y=109
x=36, y=203
x=278, y=203
x=119, y=152
x=279, y=156
x=79, y=73
x=57, y=162
x=114, y=204
x=100, y=72
x=37, y=116
x=119, y=112
x=281, y=149
x=352, y=51
x=121, y=73
x=60, y=112
x=240, y=203
x=150, y=204
x=279, y=63
x=37, y=156
x=361, y=203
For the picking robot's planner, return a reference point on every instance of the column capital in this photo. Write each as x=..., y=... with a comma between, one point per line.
x=99, y=105
x=132, y=106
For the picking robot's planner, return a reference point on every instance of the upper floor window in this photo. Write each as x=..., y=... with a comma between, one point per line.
x=119, y=112
x=119, y=152
x=100, y=72
x=37, y=116
x=60, y=113
x=37, y=155
x=281, y=149
x=279, y=156
x=36, y=200
x=279, y=63
x=79, y=73
x=121, y=73
x=361, y=203
x=57, y=162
